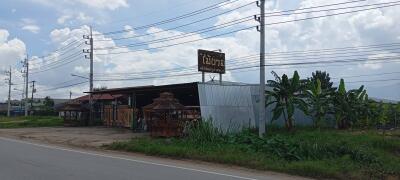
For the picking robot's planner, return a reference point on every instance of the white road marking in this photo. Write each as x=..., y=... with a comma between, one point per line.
x=127, y=159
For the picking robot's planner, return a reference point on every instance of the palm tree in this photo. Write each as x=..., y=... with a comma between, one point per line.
x=318, y=102
x=286, y=95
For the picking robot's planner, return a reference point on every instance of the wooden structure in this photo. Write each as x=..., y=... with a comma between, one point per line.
x=118, y=116
x=166, y=117
x=74, y=114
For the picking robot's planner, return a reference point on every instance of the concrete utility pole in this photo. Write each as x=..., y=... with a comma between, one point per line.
x=26, y=65
x=261, y=29
x=9, y=92
x=90, y=38
x=33, y=91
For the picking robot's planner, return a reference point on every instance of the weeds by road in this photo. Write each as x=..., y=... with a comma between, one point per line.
x=30, y=121
x=313, y=153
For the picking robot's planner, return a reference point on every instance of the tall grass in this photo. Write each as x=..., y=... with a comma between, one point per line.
x=30, y=121
x=203, y=132
x=318, y=153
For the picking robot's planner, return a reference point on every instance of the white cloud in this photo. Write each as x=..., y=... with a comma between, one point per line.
x=11, y=52
x=32, y=28
x=13, y=10
x=82, y=17
x=98, y=4
x=70, y=18
x=29, y=25
x=129, y=31
x=63, y=19
x=105, y=4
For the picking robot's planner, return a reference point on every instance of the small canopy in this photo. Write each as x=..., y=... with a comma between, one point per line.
x=74, y=107
x=166, y=101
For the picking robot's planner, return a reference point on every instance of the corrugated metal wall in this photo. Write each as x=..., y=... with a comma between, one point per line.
x=229, y=106
x=233, y=107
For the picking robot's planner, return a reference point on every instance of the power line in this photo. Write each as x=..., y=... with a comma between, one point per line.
x=253, y=58
x=171, y=45
x=289, y=55
x=67, y=46
x=217, y=27
x=333, y=9
x=368, y=75
x=76, y=58
x=174, y=28
x=176, y=44
x=378, y=80
x=52, y=58
x=62, y=87
x=254, y=66
x=189, y=34
x=211, y=17
x=334, y=14
x=200, y=11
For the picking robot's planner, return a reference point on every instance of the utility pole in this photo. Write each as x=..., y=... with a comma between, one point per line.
x=26, y=65
x=90, y=51
x=9, y=92
x=33, y=91
x=261, y=29
x=70, y=95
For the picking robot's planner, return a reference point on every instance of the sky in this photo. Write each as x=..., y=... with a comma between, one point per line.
x=39, y=28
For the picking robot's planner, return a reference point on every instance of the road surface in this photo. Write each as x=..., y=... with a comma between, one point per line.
x=20, y=160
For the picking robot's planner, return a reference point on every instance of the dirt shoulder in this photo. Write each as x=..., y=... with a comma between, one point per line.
x=90, y=137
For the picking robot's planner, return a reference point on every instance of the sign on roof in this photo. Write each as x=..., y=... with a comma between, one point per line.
x=210, y=61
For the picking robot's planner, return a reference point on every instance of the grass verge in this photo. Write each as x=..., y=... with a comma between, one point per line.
x=30, y=121
x=313, y=153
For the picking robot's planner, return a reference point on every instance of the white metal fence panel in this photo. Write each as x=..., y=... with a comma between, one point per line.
x=229, y=106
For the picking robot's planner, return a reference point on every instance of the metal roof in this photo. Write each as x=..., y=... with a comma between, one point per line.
x=143, y=88
x=163, y=87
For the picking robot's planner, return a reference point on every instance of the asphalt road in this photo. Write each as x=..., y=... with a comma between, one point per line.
x=21, y=160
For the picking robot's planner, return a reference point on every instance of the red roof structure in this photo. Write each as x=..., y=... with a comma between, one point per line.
x=98, y=97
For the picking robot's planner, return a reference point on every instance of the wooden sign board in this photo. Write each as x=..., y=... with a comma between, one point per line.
x=210, y=61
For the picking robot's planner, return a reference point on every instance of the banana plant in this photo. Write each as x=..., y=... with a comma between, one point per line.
x=318, y=102
x=287, y=96
x=348, y=105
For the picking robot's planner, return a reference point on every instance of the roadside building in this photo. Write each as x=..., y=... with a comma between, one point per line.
x=229, y=105
x=76, y=112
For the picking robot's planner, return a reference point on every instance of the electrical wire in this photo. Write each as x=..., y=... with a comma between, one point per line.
x=56, y=61
x=67, y=46
x=62, y=87
x=171, y=45
x=271, y=13
x=184, y=16
x=176, y=44
x=189, y=34
x=176, y=27
x=268, y=65
x=59, y=65
x=220, y=26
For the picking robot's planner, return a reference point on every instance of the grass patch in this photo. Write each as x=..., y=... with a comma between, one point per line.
x=315, y=153
x=30, y=121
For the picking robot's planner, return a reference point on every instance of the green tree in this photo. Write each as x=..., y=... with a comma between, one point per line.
x=48, y=103
x=324, y=78
x=287, y=96
x=318, y=102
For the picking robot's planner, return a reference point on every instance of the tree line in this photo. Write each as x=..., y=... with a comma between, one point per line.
x=318, y=98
